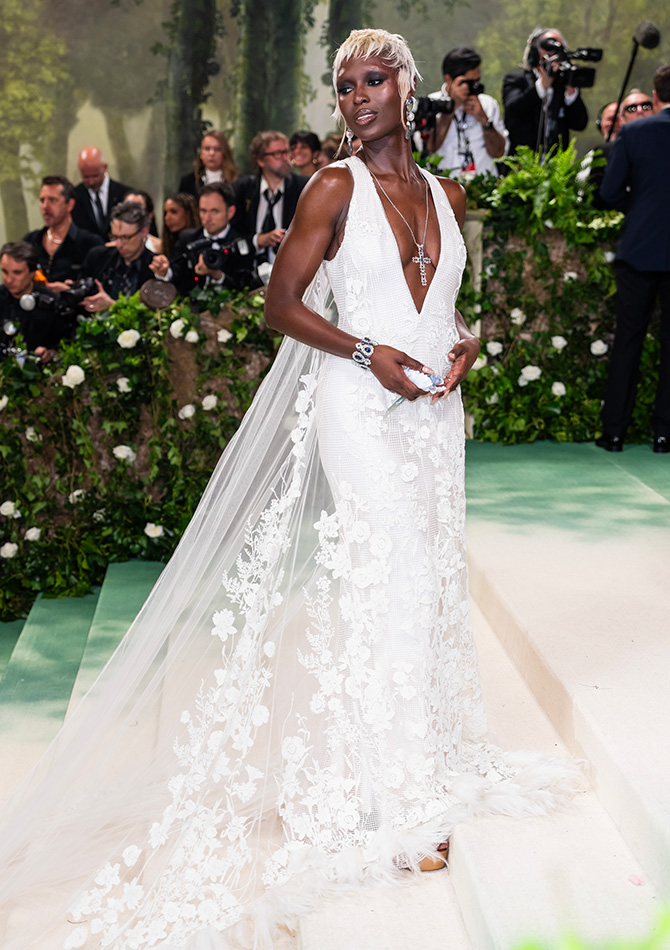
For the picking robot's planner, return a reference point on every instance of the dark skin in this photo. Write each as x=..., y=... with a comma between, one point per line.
x=370, y=103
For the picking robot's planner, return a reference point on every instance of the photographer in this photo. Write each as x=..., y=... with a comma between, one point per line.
x=26, y=307
x=121, y=269
x=540, y=106
x=188, y=265
x=473, y=135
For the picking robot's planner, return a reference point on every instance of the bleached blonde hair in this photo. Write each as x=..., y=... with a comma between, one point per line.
x=391, y=47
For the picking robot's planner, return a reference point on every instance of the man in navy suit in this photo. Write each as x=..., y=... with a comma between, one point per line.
x=637, y=181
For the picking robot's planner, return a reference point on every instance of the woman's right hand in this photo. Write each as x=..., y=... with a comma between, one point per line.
x=386, y=363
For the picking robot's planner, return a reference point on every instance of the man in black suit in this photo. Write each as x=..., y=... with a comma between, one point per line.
x=187, y=267
x=539, y=109
x=266, y=201
x=636, y=180
x=61, y=246
x=123, y=268
x=96, y=194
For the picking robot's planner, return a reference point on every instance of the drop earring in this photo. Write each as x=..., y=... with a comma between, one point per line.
x=349, y=136
x=410, y=106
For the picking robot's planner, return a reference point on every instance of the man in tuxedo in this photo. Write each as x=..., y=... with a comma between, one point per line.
x=636, y=181
x=61, y=246
x=187, y=268
x=123, y=268
x=266, y=201
x=96, y=194
x=539, y=109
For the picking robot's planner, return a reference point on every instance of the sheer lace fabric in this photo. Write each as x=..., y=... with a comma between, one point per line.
x=297, y=708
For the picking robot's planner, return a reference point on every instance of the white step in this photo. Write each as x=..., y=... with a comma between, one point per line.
x=508, y=880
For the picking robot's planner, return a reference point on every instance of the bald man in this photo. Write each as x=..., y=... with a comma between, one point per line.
x=96, y=194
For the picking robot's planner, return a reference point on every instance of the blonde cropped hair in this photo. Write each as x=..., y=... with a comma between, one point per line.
x=391, y=47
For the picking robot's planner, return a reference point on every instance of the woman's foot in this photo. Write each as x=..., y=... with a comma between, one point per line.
x=433, y=862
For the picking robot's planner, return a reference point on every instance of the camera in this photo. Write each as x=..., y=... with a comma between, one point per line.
x=558, y=64
x=475, y=87
x=236, y=259
x=78, y=291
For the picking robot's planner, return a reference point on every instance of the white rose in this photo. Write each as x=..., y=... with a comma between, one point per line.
x=558, y=389
x=9, y=549
x=192, y=336
x=223, y=335
x=599, y=347
x=531, y=373
x=124, y=453
x=187, y=411
x=548, y=223
x=609, y=257
x=76, y=496
x=522, y=381
x=3, y=402
x=480, y=362
x=209, y=402
x=128, y=339
x=33, y=534
x=8, y=509
x=494, y=348
x=123, y=384
x=153, y=530
x=99, y=515
x=74, y=375
x=517, y=316
x=569, y=275
x=477, y=308
x=32, y=435
x=177, y=328
x=558, y=342
x=493, y=400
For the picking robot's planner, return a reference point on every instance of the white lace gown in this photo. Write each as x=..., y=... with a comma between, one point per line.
x=336, y=731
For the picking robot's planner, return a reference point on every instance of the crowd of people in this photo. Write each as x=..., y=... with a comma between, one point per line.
x=100, y=237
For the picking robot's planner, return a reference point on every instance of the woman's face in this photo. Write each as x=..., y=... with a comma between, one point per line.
x=174, y=216
x=368, y=97
x=302, y=156
x=211, y=153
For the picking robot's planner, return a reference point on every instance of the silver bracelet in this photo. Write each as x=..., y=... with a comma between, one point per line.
x=363, y=352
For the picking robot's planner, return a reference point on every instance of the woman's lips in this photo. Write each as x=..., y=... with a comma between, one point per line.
x=364, y=118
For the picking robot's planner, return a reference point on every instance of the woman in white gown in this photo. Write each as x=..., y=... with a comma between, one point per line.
x=297, y=707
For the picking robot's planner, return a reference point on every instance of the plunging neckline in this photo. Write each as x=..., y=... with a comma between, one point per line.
x=418, y=311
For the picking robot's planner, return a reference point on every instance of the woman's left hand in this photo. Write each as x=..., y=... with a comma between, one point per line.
x=462, y=356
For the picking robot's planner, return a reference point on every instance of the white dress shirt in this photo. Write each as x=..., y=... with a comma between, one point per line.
x=277, y=211
x=465, y=136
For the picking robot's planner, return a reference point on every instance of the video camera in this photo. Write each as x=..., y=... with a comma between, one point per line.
x=236, y=259
x=558, y=63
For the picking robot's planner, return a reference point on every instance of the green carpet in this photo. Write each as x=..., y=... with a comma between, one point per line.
x=36, y=686
x=125, y=588
x=575, y=487
x=9, y=634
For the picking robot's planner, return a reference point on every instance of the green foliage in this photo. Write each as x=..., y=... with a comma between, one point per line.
x=546, y=305
x=93, y=466
x=659, y=939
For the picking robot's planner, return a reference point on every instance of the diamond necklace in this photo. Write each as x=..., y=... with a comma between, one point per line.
x=421, y=258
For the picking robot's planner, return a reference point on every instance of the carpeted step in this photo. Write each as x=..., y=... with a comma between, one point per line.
x=9, y=634
x=125, y=588
x=38, y=680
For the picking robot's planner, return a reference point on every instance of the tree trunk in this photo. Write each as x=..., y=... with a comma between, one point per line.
x=14, y=204
x=343, y=17
x=123, y=158
x=188, y=74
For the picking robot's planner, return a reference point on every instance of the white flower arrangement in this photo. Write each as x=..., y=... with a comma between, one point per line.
x=494, y=348
x=76, y=495
x=609, y=257
x=209, y=402
x=492, y=400
x=599, y=347
x=559, y=342
x=530, y=373
x=522, y=381
x=570, y=275
x=32, y=435
x=124, y=453
x=123, y=384
x=9, y=510
x=128, y=339
x=477, y=308
x=9, y=549
x=177, y=328
x=518, y=317
x=223, y=335
x=33, y=534
x=154, y=530
x=192, y=336
x=3, y=402
x=187, y=411
x=558, y=389
x=74, y=376
x=480, y=362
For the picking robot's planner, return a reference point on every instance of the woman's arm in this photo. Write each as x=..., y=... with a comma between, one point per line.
x=315, y=234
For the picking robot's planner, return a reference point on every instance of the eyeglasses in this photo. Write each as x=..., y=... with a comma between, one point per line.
x=634, y=106
x=278, y=153
x=124, y=238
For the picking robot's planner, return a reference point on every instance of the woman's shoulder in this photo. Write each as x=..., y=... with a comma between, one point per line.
x=333, y=182
x=455, y=193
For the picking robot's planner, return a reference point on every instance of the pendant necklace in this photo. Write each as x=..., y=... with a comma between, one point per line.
x=421, y=258
x=53, y=239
